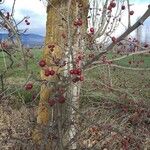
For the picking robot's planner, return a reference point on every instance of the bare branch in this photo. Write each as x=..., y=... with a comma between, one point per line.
x=121, y=37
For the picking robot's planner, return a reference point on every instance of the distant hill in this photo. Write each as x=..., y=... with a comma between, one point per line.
x=28, y=40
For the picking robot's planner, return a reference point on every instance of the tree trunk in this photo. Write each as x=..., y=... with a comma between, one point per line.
x=55, y=26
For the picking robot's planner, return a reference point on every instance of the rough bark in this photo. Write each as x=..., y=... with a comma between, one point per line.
x=57, y=19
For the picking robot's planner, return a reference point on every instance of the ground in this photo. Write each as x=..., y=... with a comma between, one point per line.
x=116, y=99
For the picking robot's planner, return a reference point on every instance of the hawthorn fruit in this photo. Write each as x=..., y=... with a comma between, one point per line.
x=29, y=86
x=51, y=72
x=51, y=102
x=42, y=63
x=47, y=72
x=92, y=30
x=113, y=5
x=61, y=99
x=131, y=12
x=123, y=7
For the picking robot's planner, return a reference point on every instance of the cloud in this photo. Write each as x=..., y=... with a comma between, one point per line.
x=35, y=9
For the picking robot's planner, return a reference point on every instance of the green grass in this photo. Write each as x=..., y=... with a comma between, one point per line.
x=134, y=58
x=134, y=83
x=126, y=80
x=18, y=69
x=17, y=76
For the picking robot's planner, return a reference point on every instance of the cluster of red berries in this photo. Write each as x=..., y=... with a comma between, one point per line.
x=78, y=75
x=48, y=72
x=78, y=22
x=75, y=71
x=111, y=5
x=27, y=22
x=61, y=99
x=51, y=47
x=77, y=78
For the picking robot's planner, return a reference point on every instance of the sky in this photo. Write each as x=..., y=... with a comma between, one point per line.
x=36, y=10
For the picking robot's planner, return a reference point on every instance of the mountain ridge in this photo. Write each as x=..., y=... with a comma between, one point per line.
x=28, y=40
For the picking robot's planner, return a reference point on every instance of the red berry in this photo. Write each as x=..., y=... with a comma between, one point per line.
x=114, y=39
x=79, y=57
x=123, y=7
x=26, y=20
x=109, y=7
x=28, y=23
x=51, y=46
x=79, y=22
x=61, y=99
x=113, y=5
x=78, y=71
x=42, y=63
x=146, y=45
x=92, y=30
x=51, y=102
x=75, y=71
x=51, y=72
x=29, y=86
x=47, y=72
x=76, y=79
x=131, y=12
x=71, y=71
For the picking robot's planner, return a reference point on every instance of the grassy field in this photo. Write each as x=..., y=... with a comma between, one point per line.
x=18, y=70
x=16, y=77
x=127, y=80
